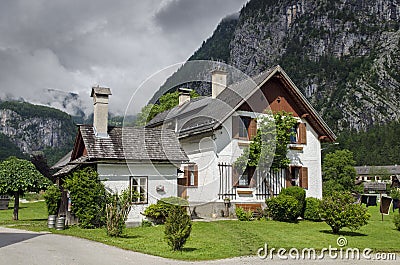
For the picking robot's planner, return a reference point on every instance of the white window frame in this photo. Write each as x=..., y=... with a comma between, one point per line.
x=140, y=187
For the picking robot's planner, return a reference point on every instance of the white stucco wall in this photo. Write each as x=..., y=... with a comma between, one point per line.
x=116, y=177
x=225, y=149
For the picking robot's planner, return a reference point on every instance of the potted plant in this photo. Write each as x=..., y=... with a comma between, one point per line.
x=52, y=197
x=395, y=194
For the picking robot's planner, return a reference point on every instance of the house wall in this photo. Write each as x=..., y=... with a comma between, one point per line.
x=116, y=178
x=222, y=148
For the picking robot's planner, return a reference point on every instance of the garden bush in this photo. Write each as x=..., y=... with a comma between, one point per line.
x=177, y=227
x=243, y=215
x=312, y=210
x=88, y=197
x=158, y=212
x=52, y=197
x=283, y=208
x=339, y=211
x=396, y=221
x=117, y=211
x=298, y=193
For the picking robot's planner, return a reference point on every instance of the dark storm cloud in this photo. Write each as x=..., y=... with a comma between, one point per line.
x=70, y=45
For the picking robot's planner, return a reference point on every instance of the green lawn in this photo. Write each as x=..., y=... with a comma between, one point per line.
x=223, y=239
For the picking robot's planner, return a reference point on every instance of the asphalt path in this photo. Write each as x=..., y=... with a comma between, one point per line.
x=31, y=248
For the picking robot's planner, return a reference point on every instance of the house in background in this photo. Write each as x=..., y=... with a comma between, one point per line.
x=213, y=131
x=142, y=160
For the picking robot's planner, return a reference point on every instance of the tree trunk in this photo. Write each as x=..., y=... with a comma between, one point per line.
x=16, y=205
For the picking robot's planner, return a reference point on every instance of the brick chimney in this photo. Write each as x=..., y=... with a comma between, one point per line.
x=218, y=79
x=184, y=95
x=100, y=112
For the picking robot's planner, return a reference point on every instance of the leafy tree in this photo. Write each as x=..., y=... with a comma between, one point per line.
x=177, y=227
x=270, y=143
x=88, y=197
x=52, y=196
x=339, y=211
x=166, y=102
x=338, y=172
x=18, y=176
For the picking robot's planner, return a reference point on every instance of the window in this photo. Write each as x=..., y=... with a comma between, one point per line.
x=138, y=186
x=297, y=176
x=245, y=179
x=191, y=175
x=299, y=134
x=244, y=127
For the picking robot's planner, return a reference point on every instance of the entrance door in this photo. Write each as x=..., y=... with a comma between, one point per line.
x=182, y=188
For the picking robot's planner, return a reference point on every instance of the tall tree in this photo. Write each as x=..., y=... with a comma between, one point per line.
x=338, y=172
x=18, y=176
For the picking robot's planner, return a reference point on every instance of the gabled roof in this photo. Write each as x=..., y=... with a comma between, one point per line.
x=205, y=113
x=131, y=143
x=63, y=161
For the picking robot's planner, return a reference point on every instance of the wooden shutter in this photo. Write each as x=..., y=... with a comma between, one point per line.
x=235, y=126
x=235, y=177
x=304, y=177
x=186, y=175
x=196, y=175
x=252, y=128
x=302, y=133
x=288, y=178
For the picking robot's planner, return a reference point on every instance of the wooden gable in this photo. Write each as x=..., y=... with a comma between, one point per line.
x=79, y=147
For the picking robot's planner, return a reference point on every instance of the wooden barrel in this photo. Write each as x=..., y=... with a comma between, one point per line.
x=51, y=221
x=60, y=223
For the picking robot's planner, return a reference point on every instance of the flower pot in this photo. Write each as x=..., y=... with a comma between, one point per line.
x=51, y=221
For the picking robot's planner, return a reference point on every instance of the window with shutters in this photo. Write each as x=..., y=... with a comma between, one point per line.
x=245, y=179
x=244, y=127
x=138, y=186
x=299, y=135
x=191, y=174
x=297, y=176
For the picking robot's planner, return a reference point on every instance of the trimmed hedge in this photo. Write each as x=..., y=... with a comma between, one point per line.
x=298, y=193
x=283, y=208
x=312, y=210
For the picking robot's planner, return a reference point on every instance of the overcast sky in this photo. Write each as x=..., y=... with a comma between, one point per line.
x=71, y=45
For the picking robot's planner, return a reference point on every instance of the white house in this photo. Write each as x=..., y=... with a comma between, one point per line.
x=144, y=160
x=213, y=131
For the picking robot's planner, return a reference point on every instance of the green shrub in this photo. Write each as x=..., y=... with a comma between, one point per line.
x=298, y=193
x=395, y=193
x=158, y=212
x=339, y=211
x=146, y=223
x=312, y=210
x=243, y=215
x=52, y=198
x=283, y=208
x=177, y=227
x=117, y=211
x=396, y=221
x=88, y=197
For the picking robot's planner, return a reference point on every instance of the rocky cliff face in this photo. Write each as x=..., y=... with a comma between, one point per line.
x=37, y=128
x=343, y=55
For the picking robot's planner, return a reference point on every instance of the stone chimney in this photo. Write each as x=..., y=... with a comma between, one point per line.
x=184, y=95
x=218, y=79
x=100, y=112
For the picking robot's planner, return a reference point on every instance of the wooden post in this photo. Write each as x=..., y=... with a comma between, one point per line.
x=380, y=204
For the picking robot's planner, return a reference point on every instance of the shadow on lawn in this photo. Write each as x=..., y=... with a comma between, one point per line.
x=343, y=233
x=188, y=249
x=129, y=236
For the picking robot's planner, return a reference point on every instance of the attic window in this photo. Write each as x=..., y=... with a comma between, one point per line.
x=278, y=100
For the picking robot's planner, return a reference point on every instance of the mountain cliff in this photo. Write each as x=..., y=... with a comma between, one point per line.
x=25, y=128
x=343, y=55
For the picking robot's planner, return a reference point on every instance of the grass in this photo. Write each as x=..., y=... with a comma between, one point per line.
x=224, y=239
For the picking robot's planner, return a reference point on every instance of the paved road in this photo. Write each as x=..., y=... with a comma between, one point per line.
x=24, y=247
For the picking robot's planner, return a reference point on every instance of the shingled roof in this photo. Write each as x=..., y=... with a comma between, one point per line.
x=130, y=143
x=205, y=113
